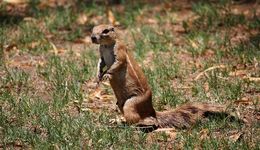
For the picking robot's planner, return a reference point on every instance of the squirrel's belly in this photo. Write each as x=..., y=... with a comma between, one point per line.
x=109, y=57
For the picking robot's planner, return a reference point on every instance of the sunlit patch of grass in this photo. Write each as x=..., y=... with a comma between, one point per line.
x=214, y=134
x=67, y=78
x=232, y=20
x=27, y=36
x=2, y=41
x=47, y=124
x=212, y=15
x=130, y=12
x=198, y=42
x=160, y=78
x=150, y=39
x=224, y=89
x=219, y=43
x=62, y=20
x=218, y=86
x=254, y=23
x=207, y=12
x=63, y=24
x=248, y=51
x=32, y=38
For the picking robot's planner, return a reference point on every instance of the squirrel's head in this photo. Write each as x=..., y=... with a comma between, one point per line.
x=103, y=34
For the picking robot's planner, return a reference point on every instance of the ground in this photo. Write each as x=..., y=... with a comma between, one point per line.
x=189, y=50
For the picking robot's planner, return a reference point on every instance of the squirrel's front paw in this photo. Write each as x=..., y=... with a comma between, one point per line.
x=99, y=78
x=107, y=76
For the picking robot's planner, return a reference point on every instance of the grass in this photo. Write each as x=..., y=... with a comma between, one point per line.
x=46, y=76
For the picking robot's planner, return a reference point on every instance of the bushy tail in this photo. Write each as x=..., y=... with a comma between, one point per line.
x=187, y=114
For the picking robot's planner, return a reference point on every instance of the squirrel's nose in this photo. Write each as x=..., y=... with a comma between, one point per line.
x=93, y=39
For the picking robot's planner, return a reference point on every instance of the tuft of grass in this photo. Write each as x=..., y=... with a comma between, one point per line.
x=150, y=39
x=130, y=12
x=32, y=38
x=165, y=70
x=254, y=23
x=208, y=13
x=248, y=51
x=212, y=15
x=198, y=42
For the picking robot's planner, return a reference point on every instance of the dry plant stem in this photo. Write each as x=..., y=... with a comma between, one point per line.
x=209, y=69
x=165, y=129
x=252, y=79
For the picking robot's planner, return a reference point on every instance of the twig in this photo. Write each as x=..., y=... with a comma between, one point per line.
x=164, y=129
x=183, y=87
x=209, y=69
x=55, y=50
x=252, y=79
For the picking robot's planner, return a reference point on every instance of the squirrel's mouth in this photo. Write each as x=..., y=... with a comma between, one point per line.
x=94, y=39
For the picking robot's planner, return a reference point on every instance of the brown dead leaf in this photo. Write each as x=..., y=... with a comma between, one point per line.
x=19, y=64
x=10, y=47
x=206, y=86
x=120, y=8
x=209, y=53
x=96, y=19
x=16, y=1
x=89, y=85
x=29, y=19
x=151, y=21
x=204, y=134
x=167, y=5
x=171, y=134
x=56, y=50
x=54, y=3
x=254, y=79
x=234, y=136
x=106, y=83
x=107, y=97
x=194, y=44
x=85, y=40
x=238, y=73
x=258, y=116
x=90, y=143
x=34, y=44
x=82, y=19
x=96, y=94
x=117, y=120
x=149, y=59
x=178, y=28
x=244, y=101
x=111, y=18
x=13, y=145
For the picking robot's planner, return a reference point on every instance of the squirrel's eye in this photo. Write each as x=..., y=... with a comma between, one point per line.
x=105, y=31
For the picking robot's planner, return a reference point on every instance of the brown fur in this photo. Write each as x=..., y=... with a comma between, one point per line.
x=134, y=96
x=187, y=114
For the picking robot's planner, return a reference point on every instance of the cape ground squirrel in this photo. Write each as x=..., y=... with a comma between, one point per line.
x=130, y=86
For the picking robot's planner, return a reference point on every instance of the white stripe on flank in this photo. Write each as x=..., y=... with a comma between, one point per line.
x=98, y=67
x=133, y=70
